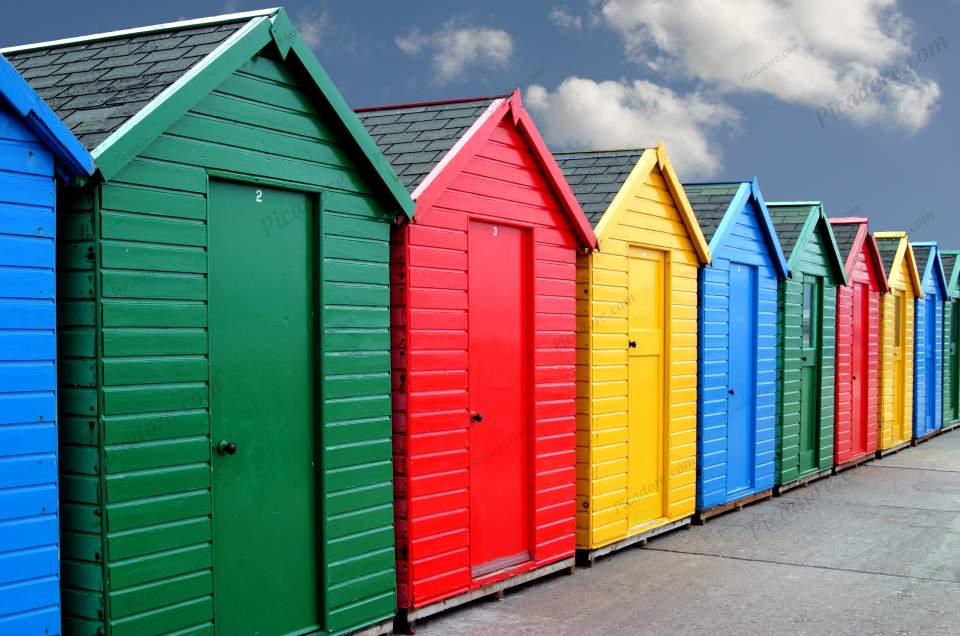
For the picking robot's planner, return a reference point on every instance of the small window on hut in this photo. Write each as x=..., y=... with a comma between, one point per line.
x=807, y=325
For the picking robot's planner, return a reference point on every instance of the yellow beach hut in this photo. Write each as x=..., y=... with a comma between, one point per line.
x=636, y=348
x=896, y=340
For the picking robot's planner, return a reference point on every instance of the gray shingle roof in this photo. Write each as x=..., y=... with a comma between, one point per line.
x=788, y=220
x=846, y=234
x=597, y=176
x=922, y=253
x=710, y=202
x=95, y=86
x=415, y=138
x=949, y=263
x=888, y=251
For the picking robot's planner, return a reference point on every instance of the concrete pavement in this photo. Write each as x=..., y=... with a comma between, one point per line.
x=874, y=550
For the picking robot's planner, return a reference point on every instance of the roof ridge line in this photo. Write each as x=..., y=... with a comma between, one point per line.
x=156, y=28
x=441, y=102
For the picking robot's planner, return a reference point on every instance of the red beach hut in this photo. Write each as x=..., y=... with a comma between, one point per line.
x=483, y=323
x=858, y=344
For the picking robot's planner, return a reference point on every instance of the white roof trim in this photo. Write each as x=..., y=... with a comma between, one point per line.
x=157, y=28
x=464, y=139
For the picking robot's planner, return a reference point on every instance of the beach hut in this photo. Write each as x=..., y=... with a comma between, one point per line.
x=737, y=339
x=928, y=339
x=857, y=392
x=897, y=309
x=36, y=151
x=806, y=342
x=484, y=351
x=224, y=335
x=637, y=342
x=951, y=340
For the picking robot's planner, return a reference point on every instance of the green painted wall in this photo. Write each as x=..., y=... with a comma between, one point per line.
x=812, y=261
x=136, y=480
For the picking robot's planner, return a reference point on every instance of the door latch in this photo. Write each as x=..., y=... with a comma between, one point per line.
x=731, y=391
x=632, y=344
x=476, y=417
x=227, y=448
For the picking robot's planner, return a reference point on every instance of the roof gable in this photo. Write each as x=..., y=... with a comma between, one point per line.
x=717, y=206
x=951, y=260
x=796, y=224
x=233, y=40
x=415, y=138
x=929, y=264
x=853, y=237
x=896, y=252
x=72, y=159
x=608, y=178
x=449, y=163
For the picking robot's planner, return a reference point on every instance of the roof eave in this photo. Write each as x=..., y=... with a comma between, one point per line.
x=779, y=258
x=73, y=160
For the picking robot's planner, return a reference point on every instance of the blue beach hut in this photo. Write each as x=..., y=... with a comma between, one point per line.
x=736, y=407
x=928, y=342
x=35, y=150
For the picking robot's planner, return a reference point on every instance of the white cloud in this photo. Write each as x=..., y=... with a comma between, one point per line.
x=564, y=20
x=455, y=47
x=839, y=48
x=583, y=114
x=313, y=26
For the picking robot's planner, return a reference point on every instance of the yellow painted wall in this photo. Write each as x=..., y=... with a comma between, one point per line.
x=900, y=280
x=650, y=220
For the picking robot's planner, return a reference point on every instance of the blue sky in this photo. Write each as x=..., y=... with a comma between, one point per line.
x=736, y=89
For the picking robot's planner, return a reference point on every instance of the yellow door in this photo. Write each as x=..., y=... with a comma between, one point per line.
x=645, y=348
x=899, y=366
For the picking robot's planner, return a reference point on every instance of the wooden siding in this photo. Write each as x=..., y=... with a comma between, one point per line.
x=431, y=426
x=814, y=261
x=29, y=563
x=949, y=307
x=862, y=272
x=650, y=220
x=922, y=390
x=139, y=458
x=745, y=244
x=901, y=281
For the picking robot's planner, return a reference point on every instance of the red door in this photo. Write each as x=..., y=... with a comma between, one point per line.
x=499, y=397
x=858, y=379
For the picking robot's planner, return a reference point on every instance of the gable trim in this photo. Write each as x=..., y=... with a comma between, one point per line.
x=478, y=134
x=746, y=191
x=72, y=158
x=816, y=218
x=953, y=289
x=128, y=141
x=934, y=267
x=904, y=251
x=611, y=216
x=874, y=250
x=863, y=239
x=683, y=205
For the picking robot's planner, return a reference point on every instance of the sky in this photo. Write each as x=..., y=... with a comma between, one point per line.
x=851, y=103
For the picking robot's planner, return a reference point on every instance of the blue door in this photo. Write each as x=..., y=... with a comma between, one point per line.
x=741, y=394
x=930, y=417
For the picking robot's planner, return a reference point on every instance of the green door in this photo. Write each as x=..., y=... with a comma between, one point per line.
x=262, y=369
x=810, y=359
x=954, y=406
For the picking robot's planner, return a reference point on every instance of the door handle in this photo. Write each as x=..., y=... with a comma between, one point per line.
x=731, y=391
x=227, y=448
x=476, y=417
x=632, y=344
x=803, y=358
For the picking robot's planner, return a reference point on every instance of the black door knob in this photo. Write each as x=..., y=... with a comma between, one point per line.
x=731, y=391
x=476, y=417
x=633, y=344
x=227, y=448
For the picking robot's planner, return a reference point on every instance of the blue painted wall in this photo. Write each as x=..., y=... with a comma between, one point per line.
x=745, y=243
x=926, y=397
x=29, y=563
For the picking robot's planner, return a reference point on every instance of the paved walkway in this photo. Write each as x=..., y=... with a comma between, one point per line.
x=874, y=550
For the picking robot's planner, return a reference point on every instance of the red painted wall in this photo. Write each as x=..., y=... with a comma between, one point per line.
x=863, y=270
x=431, y=423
